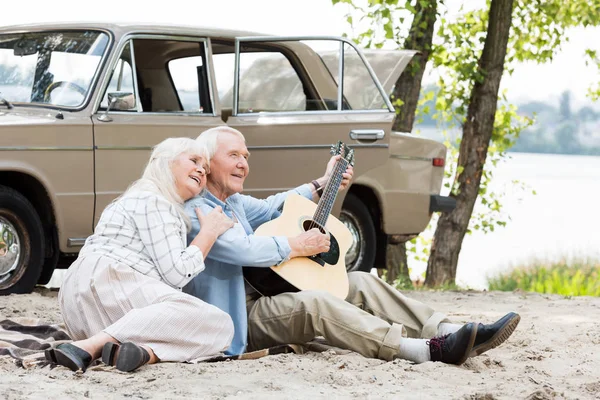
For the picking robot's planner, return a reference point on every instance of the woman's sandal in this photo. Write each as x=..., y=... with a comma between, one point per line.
x=125, y=357
x=70, y=356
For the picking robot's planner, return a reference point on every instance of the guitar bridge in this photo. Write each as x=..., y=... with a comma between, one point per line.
x=316, y=258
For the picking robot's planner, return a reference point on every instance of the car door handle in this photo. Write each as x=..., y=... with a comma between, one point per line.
x=367, y=134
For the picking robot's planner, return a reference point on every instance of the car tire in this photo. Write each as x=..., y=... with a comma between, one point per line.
x=50, y=263
x=48, y=270
x=357, y=218
x=21, y=243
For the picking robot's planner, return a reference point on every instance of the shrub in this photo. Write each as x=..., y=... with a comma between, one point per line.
x=566, y=277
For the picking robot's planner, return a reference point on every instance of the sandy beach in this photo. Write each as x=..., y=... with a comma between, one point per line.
x=554, y=354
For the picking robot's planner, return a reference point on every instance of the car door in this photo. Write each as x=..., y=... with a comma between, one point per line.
x=292, y=108
x=160, y=88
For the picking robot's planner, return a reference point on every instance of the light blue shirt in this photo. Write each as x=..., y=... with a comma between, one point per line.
x=222, y=282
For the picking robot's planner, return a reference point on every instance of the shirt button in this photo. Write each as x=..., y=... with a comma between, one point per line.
x=189, y=275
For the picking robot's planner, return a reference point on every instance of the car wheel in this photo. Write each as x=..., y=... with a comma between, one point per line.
x=356, y=217
x=21, y=243
x=50, y=263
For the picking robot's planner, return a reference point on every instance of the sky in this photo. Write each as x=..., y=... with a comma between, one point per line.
x=304, y=17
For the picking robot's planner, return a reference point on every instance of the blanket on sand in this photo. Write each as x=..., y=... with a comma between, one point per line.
x=25, y=339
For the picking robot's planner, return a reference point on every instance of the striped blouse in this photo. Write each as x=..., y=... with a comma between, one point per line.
x=143, y=230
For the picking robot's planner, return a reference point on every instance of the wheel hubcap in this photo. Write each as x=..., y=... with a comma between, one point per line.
x=10, y=249
x=353, y=254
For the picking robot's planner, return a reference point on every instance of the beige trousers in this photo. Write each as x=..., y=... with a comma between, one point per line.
x=371, y=321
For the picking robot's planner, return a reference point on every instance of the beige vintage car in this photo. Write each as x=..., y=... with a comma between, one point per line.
x=81, y=105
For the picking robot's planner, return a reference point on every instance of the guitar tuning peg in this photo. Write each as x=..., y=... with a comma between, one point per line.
x=351, y=157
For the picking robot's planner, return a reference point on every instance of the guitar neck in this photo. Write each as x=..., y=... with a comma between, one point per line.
x=330, y=193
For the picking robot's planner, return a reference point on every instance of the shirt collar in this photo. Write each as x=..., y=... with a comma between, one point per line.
x=209, y=196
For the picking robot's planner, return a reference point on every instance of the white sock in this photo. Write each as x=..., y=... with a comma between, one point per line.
x=446, y=328
x=415, y=350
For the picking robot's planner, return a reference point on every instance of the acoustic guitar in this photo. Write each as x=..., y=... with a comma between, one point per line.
x=324, y=271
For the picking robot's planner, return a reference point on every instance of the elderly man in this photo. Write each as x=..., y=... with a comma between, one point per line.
x=375, y=320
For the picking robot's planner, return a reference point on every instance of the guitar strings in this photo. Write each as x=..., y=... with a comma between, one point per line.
x=314, y=222
x=324, y=199
x=328, y=198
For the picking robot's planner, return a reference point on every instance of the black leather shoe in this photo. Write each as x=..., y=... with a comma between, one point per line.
x=453, y=348
x=109, y=351
x=69, y=356
x=493, y=335
x=126, y=356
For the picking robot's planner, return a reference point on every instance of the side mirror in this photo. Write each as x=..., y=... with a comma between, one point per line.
x=122, y=101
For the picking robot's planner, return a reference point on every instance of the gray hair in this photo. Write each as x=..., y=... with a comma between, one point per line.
x=208, y=138
x=158, y=174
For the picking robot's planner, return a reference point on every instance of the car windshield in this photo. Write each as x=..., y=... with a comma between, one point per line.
x=56, y=68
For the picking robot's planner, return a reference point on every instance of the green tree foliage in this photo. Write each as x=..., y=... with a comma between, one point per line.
x=539, y=29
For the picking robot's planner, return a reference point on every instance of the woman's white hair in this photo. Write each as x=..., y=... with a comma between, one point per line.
x=158, y=174
x=208, y=138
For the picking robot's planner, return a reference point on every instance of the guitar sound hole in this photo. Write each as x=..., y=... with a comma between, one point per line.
x=309, y=224
x=333, y=255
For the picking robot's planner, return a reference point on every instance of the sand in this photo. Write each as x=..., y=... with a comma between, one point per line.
x=555, y=353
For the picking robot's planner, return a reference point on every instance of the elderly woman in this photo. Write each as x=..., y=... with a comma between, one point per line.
x=121, y=299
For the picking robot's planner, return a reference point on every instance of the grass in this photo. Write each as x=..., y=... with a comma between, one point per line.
x=566, y=277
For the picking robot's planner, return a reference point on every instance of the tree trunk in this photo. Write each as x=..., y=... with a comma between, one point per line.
x=477, y=132
x=407, y=89
x=397, y=264
x=408, y=85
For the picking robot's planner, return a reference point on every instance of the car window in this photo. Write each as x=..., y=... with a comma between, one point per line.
x=70, y=87
x=224, y=66
x=163, y=76
x=268, y=82
x=360, y=91
x=184, y=72
x=356, y=75
x=297, y=75
x=17, y=78
x=56, y=68
x=121, y=81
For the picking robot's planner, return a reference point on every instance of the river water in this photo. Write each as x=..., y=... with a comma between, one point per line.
x=560, y=221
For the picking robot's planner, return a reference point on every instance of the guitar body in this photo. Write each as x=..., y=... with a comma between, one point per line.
x=325, y=271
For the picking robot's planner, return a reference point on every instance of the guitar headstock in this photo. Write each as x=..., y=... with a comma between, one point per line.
x=342, y=149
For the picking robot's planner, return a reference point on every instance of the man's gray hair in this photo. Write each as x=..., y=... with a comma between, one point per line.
x=158, y=175
x=209, y=137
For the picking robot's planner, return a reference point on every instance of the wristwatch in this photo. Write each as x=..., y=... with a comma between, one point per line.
x=318, y=187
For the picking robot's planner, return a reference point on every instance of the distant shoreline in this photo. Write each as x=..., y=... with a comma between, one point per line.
x=596, y=153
